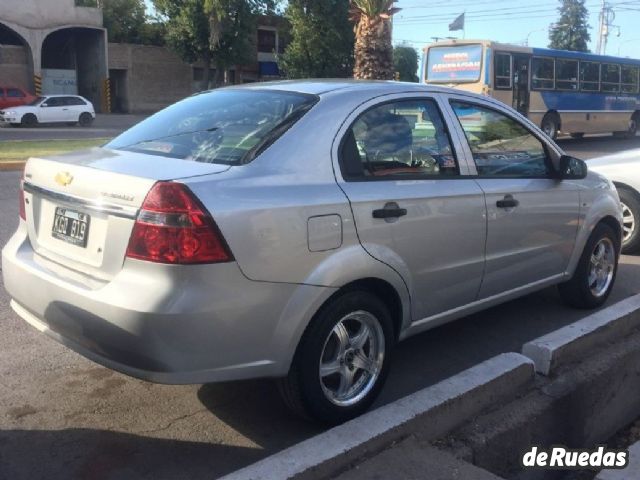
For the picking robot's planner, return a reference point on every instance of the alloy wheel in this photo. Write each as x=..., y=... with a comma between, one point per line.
x=352, y=358
x=601, y=268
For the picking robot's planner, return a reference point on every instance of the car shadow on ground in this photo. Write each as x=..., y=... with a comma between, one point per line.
x=254, y=409
x=603, y=145
x=102, y=455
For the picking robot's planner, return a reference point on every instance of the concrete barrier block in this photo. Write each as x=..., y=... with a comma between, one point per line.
x=631, y=472
x=431, y=412
x=569, y=343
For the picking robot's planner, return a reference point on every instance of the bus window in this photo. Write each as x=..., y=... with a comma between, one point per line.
x=566, y=74
x=503, y=70
x=629, y=82
x=610, y=77
x=542, y=73
x=589, y=76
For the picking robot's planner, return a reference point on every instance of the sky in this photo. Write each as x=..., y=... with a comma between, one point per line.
x=515, y=21
x=511, y=22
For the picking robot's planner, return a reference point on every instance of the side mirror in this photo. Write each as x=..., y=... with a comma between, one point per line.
x=572, y=168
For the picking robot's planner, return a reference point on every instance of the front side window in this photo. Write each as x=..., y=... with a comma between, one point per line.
x=589, y=76
x=53, y=102
x=226, y=126
x=629, y=81
x=610, y=78
x=503, y=70
x=398, y=140
x=542, y=70
x=500, y=145
x=567, y=74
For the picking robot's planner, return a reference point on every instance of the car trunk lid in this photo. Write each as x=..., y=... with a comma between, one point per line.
x=81, y=207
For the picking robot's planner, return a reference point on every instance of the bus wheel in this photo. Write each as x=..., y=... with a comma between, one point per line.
x=550, y=125
x=577, y=135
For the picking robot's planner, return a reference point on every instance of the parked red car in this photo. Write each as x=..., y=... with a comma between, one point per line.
x=14, y=96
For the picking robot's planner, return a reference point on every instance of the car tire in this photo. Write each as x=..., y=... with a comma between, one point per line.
x=353, y=329
x=29, y=120
x=550, y=125
x=596, y=271
x=85, y=119
x=630, y=220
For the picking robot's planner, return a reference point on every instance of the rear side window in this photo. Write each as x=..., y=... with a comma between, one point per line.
x=398, y=140
x=227, y=126
x=500, y=145
x=14, y=93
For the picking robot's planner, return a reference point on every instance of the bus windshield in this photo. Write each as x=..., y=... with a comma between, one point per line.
x=454, y=64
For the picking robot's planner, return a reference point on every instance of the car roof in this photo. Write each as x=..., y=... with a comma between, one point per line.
x=61, y=95
x=323, y=86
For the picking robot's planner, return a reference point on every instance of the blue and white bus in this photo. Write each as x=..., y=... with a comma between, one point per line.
x=559, y=90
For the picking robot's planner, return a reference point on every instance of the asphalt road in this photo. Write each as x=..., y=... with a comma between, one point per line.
x=64, y=417
x=104, y=126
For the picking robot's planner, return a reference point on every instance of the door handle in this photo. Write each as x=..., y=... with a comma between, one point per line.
x=507, y=202
x=390, y=210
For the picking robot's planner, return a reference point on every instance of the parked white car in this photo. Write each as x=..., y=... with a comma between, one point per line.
x=623, y=169
x=69, y=109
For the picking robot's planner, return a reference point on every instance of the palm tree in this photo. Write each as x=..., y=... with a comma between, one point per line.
x=373, y=50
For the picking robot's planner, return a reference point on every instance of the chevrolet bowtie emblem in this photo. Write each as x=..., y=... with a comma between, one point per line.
x=63, y=178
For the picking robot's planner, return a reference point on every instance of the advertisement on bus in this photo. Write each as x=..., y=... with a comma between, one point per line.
x=454, y=64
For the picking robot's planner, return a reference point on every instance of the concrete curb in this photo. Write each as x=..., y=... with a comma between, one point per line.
x=567, y=344
x=12, y=166
x=430, y=412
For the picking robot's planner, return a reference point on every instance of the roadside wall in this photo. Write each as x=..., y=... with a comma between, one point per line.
x=14, y=66
x=153, y=77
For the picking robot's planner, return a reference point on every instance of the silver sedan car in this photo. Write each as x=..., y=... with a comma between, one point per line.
x=299, y=230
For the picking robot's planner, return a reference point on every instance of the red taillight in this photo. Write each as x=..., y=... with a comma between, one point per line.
x=21, y=208
x=173, y=227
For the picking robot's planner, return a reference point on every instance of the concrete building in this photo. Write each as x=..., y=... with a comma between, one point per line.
x=55, y=46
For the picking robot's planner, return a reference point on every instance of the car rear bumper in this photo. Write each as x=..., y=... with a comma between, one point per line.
x=166, y=324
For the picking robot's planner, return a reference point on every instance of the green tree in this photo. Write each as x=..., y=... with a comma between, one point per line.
x=321, y=43
x=124, y=20
x=217, y=33
x=405, y=63
x=571, y=31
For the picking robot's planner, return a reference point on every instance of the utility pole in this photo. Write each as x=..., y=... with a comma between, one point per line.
x=606, y=18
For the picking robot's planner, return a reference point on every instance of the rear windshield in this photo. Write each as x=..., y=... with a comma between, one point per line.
x=226, y=126
x=457, y=64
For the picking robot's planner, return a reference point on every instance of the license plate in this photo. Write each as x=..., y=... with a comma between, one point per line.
x=71, y=226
